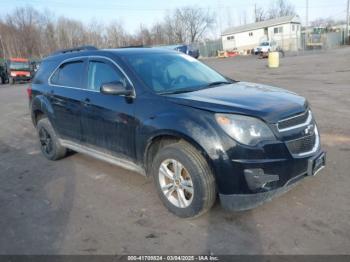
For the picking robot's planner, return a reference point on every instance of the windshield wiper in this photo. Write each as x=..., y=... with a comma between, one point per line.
x=187, y=90
x=178, y=91
x=217, y=83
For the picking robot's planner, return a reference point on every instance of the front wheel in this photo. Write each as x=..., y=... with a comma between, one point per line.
x=184, y=180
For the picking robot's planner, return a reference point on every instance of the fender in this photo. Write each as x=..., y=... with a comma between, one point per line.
x=197, y=130
x=40, y=102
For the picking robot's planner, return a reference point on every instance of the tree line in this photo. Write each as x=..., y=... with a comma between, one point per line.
x=27, y=32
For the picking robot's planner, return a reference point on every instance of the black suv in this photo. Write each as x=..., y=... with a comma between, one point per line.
x=164, y=114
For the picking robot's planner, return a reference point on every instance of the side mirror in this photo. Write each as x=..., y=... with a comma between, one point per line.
x=115, y=88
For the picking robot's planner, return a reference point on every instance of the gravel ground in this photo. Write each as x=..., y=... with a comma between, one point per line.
x=80, y=205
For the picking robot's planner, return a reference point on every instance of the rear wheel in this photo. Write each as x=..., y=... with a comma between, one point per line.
x=184, y=180
x=49, y=143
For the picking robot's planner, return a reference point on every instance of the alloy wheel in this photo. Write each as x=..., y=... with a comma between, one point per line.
x=176, y=183
x=45, y=141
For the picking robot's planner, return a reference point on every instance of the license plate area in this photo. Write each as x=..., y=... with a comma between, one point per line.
x=316, y=164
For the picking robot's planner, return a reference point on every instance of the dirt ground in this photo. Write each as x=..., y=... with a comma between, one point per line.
x=84, y=206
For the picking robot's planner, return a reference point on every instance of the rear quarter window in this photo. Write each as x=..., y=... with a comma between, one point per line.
x=45, y=70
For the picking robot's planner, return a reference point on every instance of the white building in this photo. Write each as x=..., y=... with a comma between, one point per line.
x=285, y=31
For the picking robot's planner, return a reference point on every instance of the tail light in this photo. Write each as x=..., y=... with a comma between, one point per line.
x=29, y=92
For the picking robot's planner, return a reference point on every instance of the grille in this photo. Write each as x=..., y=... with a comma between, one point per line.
x=293, y=121
x=302, y=145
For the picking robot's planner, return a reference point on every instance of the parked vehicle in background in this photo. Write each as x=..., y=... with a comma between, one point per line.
x=3, y=74
x=165, y=114
x=316, y=38
x=265, y=47
x=186, y=49
x=18, y=70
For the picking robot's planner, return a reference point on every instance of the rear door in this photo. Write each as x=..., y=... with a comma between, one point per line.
x=66, y=95
x=108, y=121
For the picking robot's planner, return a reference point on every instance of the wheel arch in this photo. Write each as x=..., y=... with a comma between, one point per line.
x=169, y=137
x=40, y=107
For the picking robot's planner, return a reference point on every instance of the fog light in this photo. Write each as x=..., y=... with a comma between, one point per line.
x=257, y=179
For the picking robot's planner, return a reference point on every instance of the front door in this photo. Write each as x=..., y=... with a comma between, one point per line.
x=108, y=121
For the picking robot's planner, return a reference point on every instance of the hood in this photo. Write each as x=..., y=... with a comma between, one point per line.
x=266, y=102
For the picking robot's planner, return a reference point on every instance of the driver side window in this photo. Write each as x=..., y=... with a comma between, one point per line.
x=101, y=73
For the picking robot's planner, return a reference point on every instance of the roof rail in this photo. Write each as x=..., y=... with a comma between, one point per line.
x=133, y=46
x=75, y=49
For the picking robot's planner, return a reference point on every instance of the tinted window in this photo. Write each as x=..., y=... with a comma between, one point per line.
x=44, y=72
x=69, y=74
x=102, y=73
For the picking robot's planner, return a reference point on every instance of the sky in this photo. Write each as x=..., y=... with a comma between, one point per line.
x=132, y=13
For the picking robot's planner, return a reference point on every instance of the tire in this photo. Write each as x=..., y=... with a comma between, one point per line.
x=195, y=175
x=49, y=143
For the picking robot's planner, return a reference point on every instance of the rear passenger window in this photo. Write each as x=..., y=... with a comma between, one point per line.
x=102, y=73
x=69, y=74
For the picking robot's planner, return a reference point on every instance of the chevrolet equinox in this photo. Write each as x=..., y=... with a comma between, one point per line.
x=164, y=114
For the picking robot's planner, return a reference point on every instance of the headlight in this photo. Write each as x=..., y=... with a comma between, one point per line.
x=244, y=129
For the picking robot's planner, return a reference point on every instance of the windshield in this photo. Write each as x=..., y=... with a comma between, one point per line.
x=19, y=66
x=173, y=73
x=264, y=44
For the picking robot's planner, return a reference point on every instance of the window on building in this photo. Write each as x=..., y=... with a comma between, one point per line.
x=293, y=28
x=278, y=30
x=250, y=33
x=230, y=37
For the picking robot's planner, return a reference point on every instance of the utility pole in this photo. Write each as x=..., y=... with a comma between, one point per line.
x=255, y=13
x=347, y=23
x=307, y=14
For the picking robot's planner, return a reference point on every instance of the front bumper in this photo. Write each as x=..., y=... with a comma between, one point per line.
x=240, y=202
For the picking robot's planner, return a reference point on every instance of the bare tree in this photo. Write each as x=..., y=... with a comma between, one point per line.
x=260, y=14
x=158, y=34
x=116, y=36
x=281, y=8
x=70, y=33
x=25, y=22
x=175, y=27
x=95, y=34
x=196, y=21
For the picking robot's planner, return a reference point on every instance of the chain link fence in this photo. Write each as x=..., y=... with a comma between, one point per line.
x=302, y=43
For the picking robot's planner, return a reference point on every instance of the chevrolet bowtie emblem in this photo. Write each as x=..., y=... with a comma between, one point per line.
x=309, y=130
